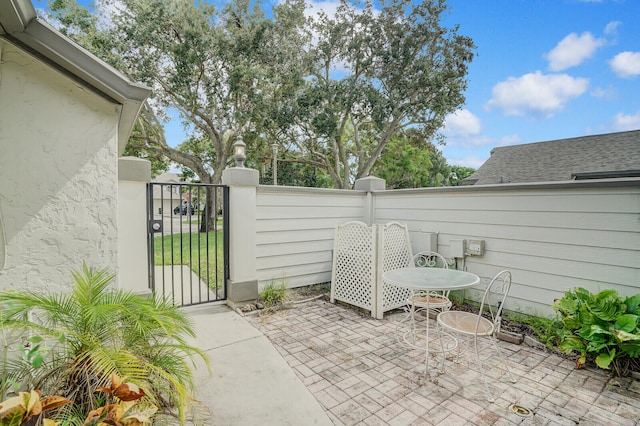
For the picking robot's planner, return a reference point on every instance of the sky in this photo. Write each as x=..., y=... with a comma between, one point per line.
x=543, y=70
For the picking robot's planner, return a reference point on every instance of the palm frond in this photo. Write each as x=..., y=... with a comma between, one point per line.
x=103, y=330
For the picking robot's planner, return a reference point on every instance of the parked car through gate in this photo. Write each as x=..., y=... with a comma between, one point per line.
x=184, y=208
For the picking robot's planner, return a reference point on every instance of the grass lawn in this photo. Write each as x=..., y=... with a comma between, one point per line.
x=202, y=252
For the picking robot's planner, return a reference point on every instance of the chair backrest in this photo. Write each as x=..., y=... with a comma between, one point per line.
x=430, y=259
x=494, y=297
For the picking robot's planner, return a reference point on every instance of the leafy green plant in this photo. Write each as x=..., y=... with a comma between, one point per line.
x=95, y=331
x=547, y=330
x=603, y=327
x=274, y=294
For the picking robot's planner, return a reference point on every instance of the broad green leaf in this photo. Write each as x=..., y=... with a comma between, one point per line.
x=607, y=308
x=604, y=359
x=37, y=361
x=585, y=317
x=582, y=293
x=571, y=323
x=631, y=348
x=35, y=339
x=596, y=346
x=572, y=344
x=627, y=322
x=633, y=304
x=566, y=306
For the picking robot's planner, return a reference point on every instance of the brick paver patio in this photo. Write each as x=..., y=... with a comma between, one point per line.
x=356, y=369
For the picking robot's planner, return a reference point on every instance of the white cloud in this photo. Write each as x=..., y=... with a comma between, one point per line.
x=509, y=140
x=536, y=93
x=462, y=123
x=314, y=7
x=573, y=50
x=626, y=64
x=468, y=161
x=622, y=122
x=612, y=27
x=609, y=93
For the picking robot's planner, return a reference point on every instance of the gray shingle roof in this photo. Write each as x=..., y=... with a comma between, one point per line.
x=560, y=160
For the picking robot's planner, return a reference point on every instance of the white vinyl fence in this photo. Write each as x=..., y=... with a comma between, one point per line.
x=552, y=236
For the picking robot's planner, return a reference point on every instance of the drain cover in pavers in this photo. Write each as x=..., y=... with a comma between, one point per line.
x=521, y=411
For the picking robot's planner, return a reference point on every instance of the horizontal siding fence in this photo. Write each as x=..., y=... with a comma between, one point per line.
x=552, y=236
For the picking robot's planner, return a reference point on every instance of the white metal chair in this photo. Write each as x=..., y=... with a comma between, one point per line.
x=486, y=323
x=427, y=301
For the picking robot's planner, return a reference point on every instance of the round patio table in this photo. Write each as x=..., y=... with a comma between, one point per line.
x=419, y=279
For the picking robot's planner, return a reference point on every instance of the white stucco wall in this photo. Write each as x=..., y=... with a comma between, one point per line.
x=58, y=174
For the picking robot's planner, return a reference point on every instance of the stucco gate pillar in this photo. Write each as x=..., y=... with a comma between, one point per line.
x=243, y=280
x=133, y=270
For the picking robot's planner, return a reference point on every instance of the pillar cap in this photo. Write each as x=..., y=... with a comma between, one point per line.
x=240, y=176
x=370, y=184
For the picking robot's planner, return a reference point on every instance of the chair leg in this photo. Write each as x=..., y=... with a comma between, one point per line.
x=503, y=359
x=401, y=328
x=484, y=377
x=444, y=354
x=412, y=313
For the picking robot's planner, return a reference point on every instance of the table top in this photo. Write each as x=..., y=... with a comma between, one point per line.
x=417, y=278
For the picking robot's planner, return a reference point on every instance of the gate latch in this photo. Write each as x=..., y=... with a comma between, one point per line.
x=155, y=226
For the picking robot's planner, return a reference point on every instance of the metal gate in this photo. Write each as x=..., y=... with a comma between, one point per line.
x=188, y=242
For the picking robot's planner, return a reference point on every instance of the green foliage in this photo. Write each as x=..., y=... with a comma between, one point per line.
x=274, y=294
x=331, y=90
x=459, y=173
x=399, y=68
x=95, y=331
x=411, y=161
x=547, y=330
x=603, y=327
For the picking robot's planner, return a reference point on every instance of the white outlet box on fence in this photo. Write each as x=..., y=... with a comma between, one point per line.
x=457, y=248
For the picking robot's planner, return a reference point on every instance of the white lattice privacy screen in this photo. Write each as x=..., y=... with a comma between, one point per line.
x=394, y=251
x=353, y=278
x=361, y=254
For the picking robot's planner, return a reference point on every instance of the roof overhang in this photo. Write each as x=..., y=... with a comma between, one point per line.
x=20, y=24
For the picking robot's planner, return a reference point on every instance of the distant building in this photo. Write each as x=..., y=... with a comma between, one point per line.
x=611, y=155
x=168, y=197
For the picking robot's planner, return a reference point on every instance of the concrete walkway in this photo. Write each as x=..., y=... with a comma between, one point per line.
x=251, y=383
